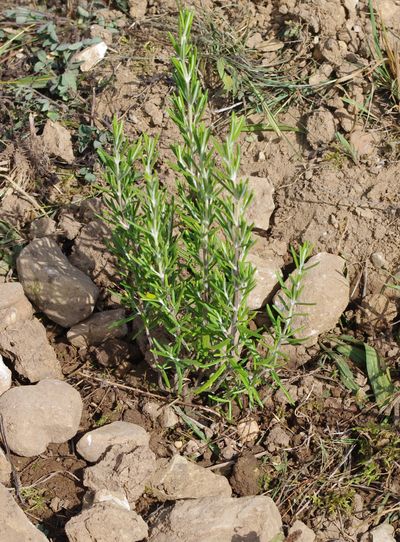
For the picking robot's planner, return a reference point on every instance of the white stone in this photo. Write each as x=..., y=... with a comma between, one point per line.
x=5, y=377
x=90, y=56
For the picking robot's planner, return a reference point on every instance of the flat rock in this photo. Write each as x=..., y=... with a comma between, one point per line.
x=217, y=519
x=15, y=526
x=5, y=377
x=383, y=533
x=178, y=478
x=57, y=141
x=321, y=128
x=98, y=328
x=267, y=270
x=94, y=443
x=90, y=56
x=262, y=205
x=325, y=290
x=299, y=532
x=14, y=305
x=35, y=416
x=124, y=467
x=26, y=345
x=106, y=522
x=63, y=292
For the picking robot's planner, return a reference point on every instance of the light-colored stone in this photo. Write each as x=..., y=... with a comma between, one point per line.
x=363, y=143
x=383, y=533
x=124, y=467
x=320, y=128
x=89, y=57
x=5, y=377
x=94, y=443
x=325, y=290
x=14, y=305
x=98, y=328
x=217, y=519
x=106, y=522
x=60, y=290
x=35, y=416
x=57, y=141
x=5, y=469
x=168, y=418
x=262, y=205
x=152, y=410
x=277, y=439
x=137, y=8
x=248, y=431
x=300, y=532
x=26, y=345
x=266, y=278
x=179, y=478
x=15, y=526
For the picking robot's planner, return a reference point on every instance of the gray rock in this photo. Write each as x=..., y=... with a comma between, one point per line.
x=42, y=227
x=168, y=418
x=65, y=294
x=26, y=345
x=124, y=467
x=299, y=532
x=326, y=291
x=98, y=328
x=383, y=533
x=5, y=469
x=5, y=376
x=218, y=519
x=179, y=478
x=35, y=416
x=15, y=526
x=14, y=305
x=57, y=141
x=106, y=522
x=94, y=443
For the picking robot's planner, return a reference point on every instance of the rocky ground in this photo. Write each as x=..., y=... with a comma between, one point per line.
x=91, y=448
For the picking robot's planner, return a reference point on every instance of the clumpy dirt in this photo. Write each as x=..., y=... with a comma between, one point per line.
x=329, y=459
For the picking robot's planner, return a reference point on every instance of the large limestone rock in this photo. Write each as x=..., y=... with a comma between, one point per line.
x=65, y=294
x=218, y=519
x=34, y=416
x=325, y=291
x=124, y=467
x=94, y=443
x=179, y=478
x=106, y=522
x=14, y=525
x=98, y=328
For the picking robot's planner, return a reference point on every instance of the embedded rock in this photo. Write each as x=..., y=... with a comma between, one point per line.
x=98, y=328
x=217, y=519
x=27, y=347
x=320, y=128
x=179, y=478
x=325, y=290
x=124, y=467
x=262, y=205
x=106, y=522
x=57, y=141
x=15, y=526
x=14, y=305
x=94, y=443
x=299, y=532
x=35, y=416
x=65, y=294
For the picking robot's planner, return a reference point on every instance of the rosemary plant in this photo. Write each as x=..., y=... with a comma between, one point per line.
x=183, y=264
